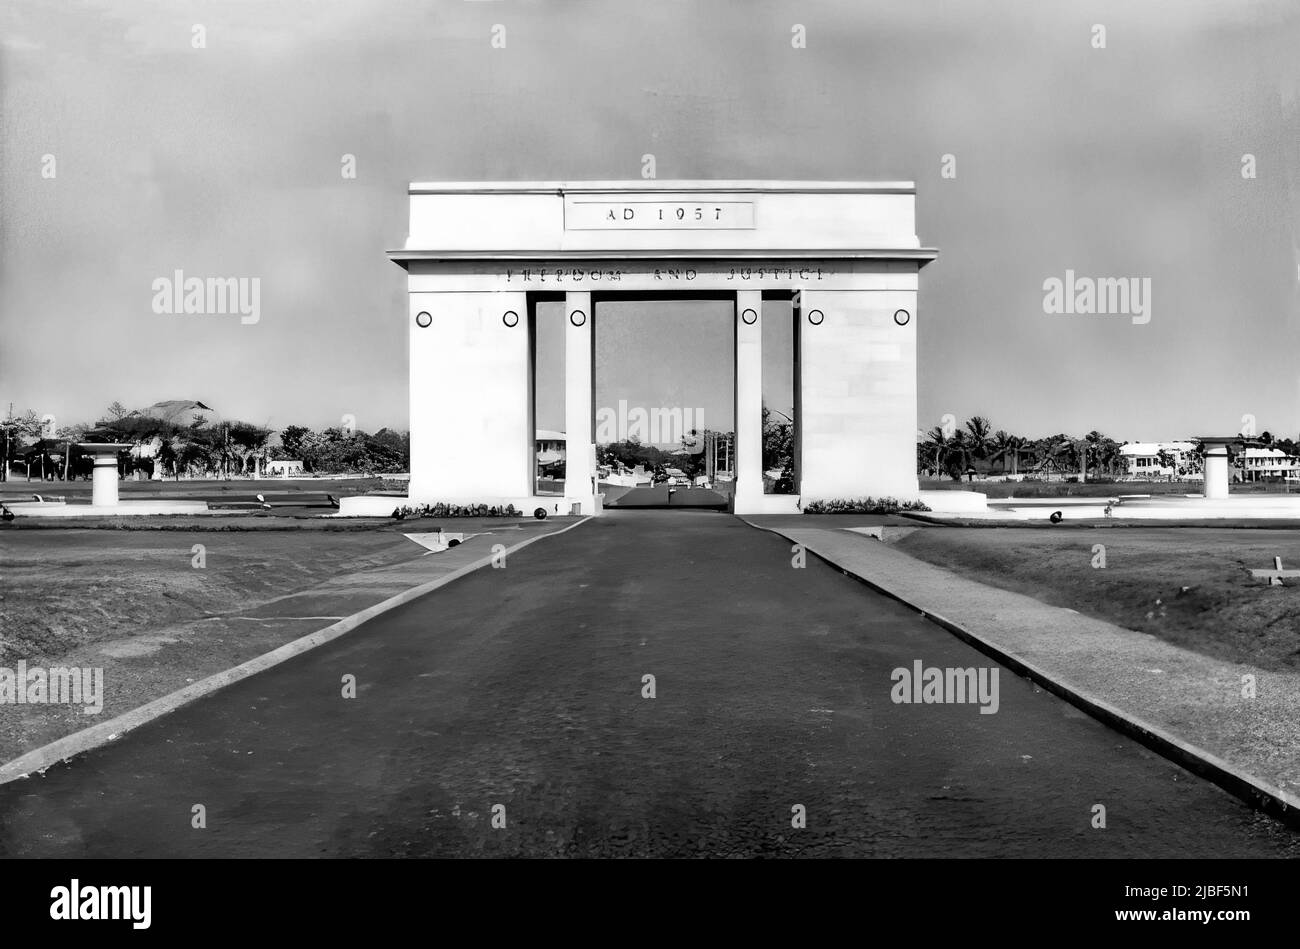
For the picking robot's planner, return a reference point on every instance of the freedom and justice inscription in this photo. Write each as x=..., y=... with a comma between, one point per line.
x=671, y=274
x=559, y=275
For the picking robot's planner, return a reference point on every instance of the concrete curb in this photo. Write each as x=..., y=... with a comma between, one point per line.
x=1273, y=801
x=98, y=735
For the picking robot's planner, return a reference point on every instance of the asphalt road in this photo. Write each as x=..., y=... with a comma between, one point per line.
x=523, y=687
x=660, y=495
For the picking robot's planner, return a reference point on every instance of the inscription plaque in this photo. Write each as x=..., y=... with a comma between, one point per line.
x=588, y=214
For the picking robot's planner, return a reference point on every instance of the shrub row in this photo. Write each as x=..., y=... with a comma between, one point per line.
x=456, y=510
x=862, y=506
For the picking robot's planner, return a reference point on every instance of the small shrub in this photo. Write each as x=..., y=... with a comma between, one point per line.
x=862, y=506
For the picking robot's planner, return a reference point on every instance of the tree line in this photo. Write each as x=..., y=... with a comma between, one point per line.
x=976, y=448
x=32, y=446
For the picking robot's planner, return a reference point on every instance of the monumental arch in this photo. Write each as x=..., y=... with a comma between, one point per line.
x=480, y=255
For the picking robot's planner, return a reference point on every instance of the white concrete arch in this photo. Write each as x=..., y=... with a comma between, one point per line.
x=479, y=255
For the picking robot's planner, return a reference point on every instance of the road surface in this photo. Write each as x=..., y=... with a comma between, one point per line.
x=518, y=693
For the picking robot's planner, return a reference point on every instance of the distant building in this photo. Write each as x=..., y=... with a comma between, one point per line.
x=619, y=475
x=179, y=412
x=550, y=446
x=182, y=412
x=1159, y=459
x=1258, y=464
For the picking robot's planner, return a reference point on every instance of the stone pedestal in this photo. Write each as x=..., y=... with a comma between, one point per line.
x=1216, y=461
x=103, y=486
x=1216, y=472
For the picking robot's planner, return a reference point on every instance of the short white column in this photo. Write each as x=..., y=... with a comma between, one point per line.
x=749, y=401
x=1216, y=471
x=579, y=399
x=103, y=485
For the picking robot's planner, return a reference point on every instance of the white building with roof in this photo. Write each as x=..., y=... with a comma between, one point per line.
x=1150, y=460
x=550, y=446
x=1258, y=464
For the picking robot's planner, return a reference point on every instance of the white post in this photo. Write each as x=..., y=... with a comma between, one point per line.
x=103, y=485
x=749, y=401
x=579, y=396
x=1216, y=471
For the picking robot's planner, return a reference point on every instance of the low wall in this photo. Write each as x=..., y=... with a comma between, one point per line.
x=954, y=502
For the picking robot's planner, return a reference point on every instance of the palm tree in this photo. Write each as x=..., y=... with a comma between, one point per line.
x=192, y=452
x=247, y=442
x=977, y=436
x=1076, y=454
x=1091, y=449
x=1022, y=446
x=1107, y=455
x=959, y=455
x=1056, y=452
x=166, y=457
x=1004, y=446
x=933, y=450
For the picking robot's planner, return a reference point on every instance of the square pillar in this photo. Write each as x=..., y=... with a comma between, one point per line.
x=857, y=408
x=749, y=401
x=579, y=399
x=471, y=438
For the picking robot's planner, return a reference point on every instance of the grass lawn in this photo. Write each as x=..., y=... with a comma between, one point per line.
x=60, y=589
x=1224, y=612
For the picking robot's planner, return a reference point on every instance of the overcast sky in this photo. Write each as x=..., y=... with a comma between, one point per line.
x=1123, y=161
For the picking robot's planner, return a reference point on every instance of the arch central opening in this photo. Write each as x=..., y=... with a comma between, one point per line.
x=664, y=397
